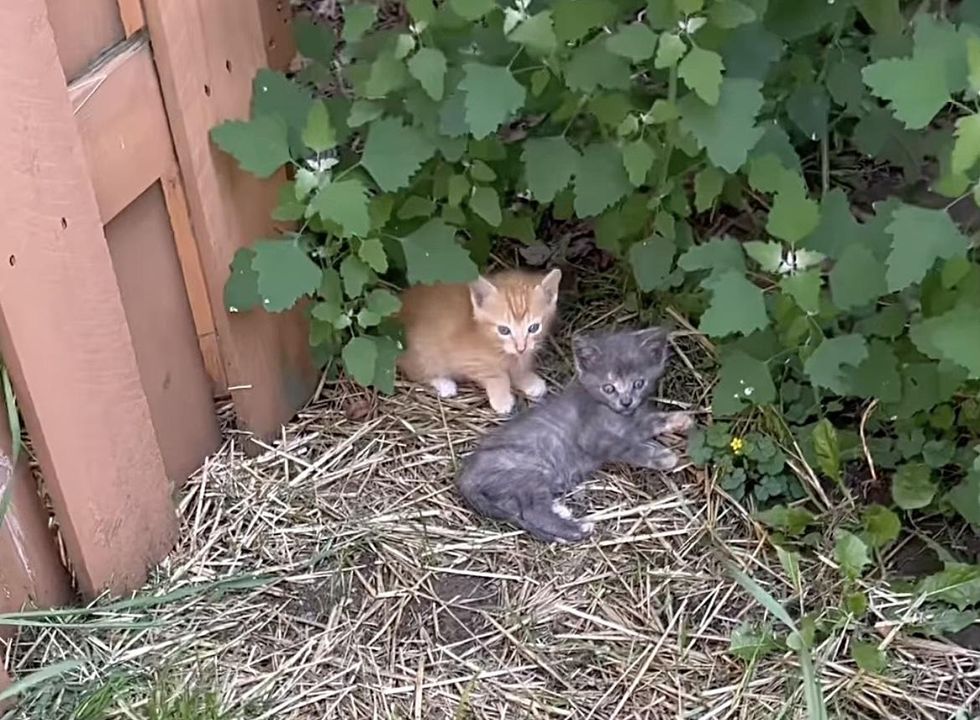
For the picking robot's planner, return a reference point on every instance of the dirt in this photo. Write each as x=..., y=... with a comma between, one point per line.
x=454, y=612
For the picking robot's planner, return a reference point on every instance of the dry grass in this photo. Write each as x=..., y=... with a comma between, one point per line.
x=338, y=576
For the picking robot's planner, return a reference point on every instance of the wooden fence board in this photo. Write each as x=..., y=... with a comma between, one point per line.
x=83, y=30
x=131, y=14
x=63, y=330
x=30, y=567
x=148, y=272
x=207, y=54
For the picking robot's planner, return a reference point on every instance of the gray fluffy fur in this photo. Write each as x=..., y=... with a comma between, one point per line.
x=521, y=470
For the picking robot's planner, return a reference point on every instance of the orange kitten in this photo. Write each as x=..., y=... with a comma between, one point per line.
x=485, y=332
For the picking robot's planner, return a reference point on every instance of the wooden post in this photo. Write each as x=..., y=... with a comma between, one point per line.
x=63, y=331
x=207, y=54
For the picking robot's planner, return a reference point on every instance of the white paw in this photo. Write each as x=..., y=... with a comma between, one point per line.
x=587, y=527
x=679, y=423
x=502, y=405
x=561, y=510
x=444, y=387
x=535, y=387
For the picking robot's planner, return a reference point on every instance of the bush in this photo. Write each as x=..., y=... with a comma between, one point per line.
x=477, y=120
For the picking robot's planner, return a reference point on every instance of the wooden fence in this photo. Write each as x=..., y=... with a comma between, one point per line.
x=118, y=221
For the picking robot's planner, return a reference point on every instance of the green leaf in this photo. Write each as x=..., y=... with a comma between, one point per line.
x=804, y=288
x=432, y=255
x=274, y=95
x=472, y=9
x=364, y=111
x=965, y=498
x=517, y=227
x=717, y=255
x=737, y=306
x=741, y=380
x=285, y=273
x=670, y=51
x=459, y=187
x=652, y=260
x=242, y=287
x=492, y=95
x=393, y=153
x=837, y=229
x=728, y=14
x=486, y=203
x=701, y=71
x=791, y=520
x=881, y=525
x=367, y=318
x=372, y=252
x=957, y=585
x=358, y=19
x=422, y=11
x=382, y=302
x=793, y=215
x=858, y=278
x=355, y=275
x=384, y=365
x=825, y=367
x=749, y=52
x=769, y=254
x=868, y=657
x=575, y=18
x=851, y=555
x=316, y=42
x=549, y=164
x=592, y=67
x=600, y=179
x=416, y=206
x=330, y=286
x=360, y=355
x=920, y=238
x=750, y=642
x=635, y=41
x=953, y=336
x=827, y=449
x=537, y=33
x=913, y=486
x=727, y=130
x=318, y=135
x=345, y=203
x=973, y=62
x=966, y=149
x=638, y=158
x=261, y=146
x=481, y=172
x=808, y=107
x=916, y=88
x=428, y=66
x=708, y=184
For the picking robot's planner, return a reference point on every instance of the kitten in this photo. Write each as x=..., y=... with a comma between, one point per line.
x=486, y=332
x=522, y=469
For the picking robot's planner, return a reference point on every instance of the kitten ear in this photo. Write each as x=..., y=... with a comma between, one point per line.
x=586, y=352
x=655, y=341
x=549, y=285
x=481, y=290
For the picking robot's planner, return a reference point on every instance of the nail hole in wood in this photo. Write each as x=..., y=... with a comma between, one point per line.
x=12, y=260
x=272, y=43
x=64, y=223
x=228, y=65
x=207, y=90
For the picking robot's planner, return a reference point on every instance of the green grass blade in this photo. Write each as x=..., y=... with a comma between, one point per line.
x=39, y=677
x=812, y=691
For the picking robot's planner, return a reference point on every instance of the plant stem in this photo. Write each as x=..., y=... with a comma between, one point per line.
x=671, y=98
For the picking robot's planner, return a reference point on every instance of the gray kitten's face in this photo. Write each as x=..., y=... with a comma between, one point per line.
x=620, y=369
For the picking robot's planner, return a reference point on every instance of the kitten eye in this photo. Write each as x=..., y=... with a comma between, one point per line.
x=503, y=330
x=639, y=383
x=533, y=328
x=608, y=389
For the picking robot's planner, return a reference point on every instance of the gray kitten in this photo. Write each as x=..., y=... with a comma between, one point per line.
x=523, y=467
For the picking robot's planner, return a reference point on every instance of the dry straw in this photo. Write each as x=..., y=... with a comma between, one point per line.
x=338, y=576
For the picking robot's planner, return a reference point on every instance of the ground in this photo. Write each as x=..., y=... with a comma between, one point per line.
x=338, y=575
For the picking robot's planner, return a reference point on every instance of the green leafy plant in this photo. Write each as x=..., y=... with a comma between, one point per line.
x=720, y=150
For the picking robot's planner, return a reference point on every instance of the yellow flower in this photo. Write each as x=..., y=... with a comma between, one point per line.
x=737, y=444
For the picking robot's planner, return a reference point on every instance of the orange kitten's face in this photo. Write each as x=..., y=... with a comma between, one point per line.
x=516, y=314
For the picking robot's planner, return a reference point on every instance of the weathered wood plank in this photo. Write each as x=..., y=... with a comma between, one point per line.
x=63, y=330
x=207, y=54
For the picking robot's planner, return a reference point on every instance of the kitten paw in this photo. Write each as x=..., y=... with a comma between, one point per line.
x=502, y=404
x=666, y=461
x=587, y=528
x=561, y=510
x=534, y=386
x=678, y=423
x=444, y=387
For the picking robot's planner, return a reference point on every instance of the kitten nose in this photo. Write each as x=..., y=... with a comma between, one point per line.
x=625, y=401
x=521, y=347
